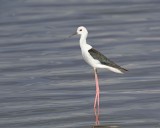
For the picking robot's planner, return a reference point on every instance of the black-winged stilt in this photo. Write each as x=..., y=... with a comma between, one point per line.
x=95, y=59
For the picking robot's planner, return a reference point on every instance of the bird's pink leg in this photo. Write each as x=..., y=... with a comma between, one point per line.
x=96, y=100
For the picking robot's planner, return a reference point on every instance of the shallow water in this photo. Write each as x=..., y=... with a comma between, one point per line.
x=44, y=82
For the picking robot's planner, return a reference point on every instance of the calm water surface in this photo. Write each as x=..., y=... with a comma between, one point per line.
x=44, y=83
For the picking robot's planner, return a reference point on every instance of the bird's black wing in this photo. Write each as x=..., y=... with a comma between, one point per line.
x=104, y=60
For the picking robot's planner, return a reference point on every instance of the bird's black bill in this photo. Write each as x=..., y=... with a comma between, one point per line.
x=72, y=35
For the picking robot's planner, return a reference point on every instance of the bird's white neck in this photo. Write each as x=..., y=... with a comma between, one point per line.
x=83, y=39
x=83, y=42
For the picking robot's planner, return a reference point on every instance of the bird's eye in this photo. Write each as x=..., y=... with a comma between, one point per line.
x=80, y=30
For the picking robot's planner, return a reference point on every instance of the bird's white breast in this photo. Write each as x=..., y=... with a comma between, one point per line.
x=87, y=57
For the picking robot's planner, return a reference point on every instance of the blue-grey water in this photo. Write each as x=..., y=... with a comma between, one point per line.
x=44, y=82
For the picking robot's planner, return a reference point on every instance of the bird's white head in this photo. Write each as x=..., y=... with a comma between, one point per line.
x=82, y=31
